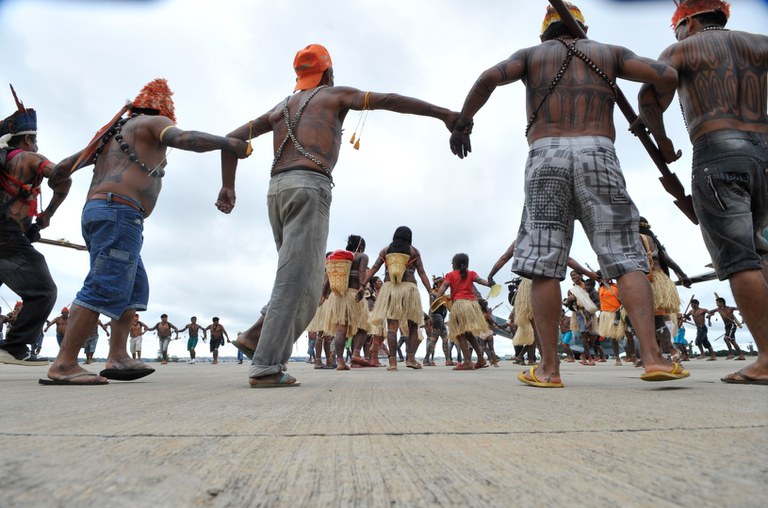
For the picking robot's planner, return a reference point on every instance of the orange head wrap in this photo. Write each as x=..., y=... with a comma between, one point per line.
x=688, y=8
x=553, y=17
x=156, y=95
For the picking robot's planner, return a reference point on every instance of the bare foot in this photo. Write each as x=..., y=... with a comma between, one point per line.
x=64, y=372
x=126, y=363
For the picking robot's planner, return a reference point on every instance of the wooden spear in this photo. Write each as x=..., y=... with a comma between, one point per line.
x=669, y=180
x=63, y=243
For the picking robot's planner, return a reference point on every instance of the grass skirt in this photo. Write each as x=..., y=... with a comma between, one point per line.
x=666, y=300
x=345, y=310
x=376, y=328
x=399, y=302
x=523, y=303
x=318, y=321
x=524, y=334
x=607, y=326
x=466, y=317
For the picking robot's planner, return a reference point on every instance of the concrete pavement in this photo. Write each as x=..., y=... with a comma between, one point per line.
x=197, y=435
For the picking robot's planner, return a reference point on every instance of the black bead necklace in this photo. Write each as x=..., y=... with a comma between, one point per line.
x=115, y=131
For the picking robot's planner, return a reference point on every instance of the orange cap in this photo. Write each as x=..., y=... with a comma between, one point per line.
x=64, y=310
x=310, y=64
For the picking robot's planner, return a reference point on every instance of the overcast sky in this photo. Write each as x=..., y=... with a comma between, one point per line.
x=77, y=62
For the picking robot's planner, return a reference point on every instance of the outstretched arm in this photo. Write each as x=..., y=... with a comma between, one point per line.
x=503, y=260
x=359, y=100
x=575, y=265
x=196, y=141
x=503, y=73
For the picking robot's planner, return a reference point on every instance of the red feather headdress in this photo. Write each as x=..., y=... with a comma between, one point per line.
x=688, y=8
x=155, y=95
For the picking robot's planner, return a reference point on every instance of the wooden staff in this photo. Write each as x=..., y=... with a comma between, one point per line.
x=63, y=243
x=669, y=180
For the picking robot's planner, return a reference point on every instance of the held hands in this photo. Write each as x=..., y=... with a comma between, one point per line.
x=451, y=119
x=460, y=144
x=226, y=201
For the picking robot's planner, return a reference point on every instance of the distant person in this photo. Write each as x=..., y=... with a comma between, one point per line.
x=467, y=321
x=731, y=322
x=138, y=329
x=164, y=329
x=61, y=324
x=193, y=330
x=218, y=333
x=699, y=314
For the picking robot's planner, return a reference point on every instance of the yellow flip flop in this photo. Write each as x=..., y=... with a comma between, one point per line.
x=523, y=377
x=678, y=372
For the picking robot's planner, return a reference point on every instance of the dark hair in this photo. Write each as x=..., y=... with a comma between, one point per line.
x=355, y=242
x=215, y=319
x=193, y=318
x=694, y=300
x=460, y=262
x=163, y=315
x=720, y=299
x=712, y=18
x=558, y=29
x=401, y=241
x=18, y=139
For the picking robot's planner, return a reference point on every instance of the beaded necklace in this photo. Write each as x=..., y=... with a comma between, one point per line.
x=572, y=50
x=552, y=85
x=290, y=125
x=712, y=27
x=115, y=131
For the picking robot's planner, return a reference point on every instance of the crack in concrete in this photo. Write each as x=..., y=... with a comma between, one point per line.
x=386, y=434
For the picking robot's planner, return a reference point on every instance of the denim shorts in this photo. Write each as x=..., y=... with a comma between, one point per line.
x=117, y=281
x=569, y=178
x=730, y=195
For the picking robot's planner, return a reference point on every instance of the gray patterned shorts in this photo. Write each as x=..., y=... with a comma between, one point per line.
x=569, y=178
